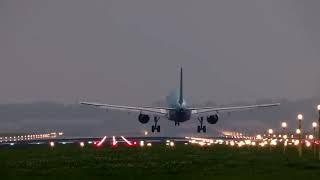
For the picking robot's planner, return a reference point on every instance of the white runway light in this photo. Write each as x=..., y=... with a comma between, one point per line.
x=52, y=144
x=172, y=144
x=141, y=143
x=81, y=144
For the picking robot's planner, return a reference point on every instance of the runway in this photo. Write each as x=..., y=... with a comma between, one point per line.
x=114, y=141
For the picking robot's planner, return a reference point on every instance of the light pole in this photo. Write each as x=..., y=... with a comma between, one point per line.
x=284, y=126
x=314, y=125
x=299, y=132
x=318, y=107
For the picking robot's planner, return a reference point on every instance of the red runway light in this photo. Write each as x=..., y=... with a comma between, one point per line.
x=128, y=142
x=102, y=141
x=114, y=141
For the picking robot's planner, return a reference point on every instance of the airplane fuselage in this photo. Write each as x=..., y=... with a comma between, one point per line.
x=179, y=114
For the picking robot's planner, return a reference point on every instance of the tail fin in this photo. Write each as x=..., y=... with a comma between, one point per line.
x=181, y=87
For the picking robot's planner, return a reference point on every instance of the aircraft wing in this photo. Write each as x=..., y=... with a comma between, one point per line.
x=147, y=110
x=235, y=108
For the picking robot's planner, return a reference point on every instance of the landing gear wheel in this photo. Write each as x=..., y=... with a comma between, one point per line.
x=155, y=127
x=201, y=127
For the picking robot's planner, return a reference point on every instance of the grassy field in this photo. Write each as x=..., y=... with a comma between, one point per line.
x=157, y=162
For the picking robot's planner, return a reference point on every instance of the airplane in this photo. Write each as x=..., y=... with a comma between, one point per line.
x=178, y=111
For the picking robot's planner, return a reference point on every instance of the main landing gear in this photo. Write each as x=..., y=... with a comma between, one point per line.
x=176, y=123
x=201, y=127
x=155, y=127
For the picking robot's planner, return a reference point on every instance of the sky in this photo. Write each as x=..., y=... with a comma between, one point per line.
x=129, y=52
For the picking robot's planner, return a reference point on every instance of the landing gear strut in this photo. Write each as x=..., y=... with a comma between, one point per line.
x=156, y=127
x=201, y=127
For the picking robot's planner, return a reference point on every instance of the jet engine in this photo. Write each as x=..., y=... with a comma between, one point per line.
x=143, y=118
x=213, y=119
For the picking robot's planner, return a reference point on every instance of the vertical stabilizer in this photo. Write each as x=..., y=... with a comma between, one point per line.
x=181, y=87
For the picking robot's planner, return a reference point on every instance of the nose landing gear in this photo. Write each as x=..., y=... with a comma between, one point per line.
x=201, y=127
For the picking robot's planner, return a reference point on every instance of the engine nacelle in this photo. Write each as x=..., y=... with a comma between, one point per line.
x=213, y=119
x=143, y=118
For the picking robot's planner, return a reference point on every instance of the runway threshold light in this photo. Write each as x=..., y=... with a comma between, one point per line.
x=298, y=131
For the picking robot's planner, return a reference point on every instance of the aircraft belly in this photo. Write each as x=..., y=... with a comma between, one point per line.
x=179, y=116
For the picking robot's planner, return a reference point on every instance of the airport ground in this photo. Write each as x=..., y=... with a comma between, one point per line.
x=156, y=162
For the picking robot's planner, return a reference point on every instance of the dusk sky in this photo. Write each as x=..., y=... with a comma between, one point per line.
x=129, y=52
